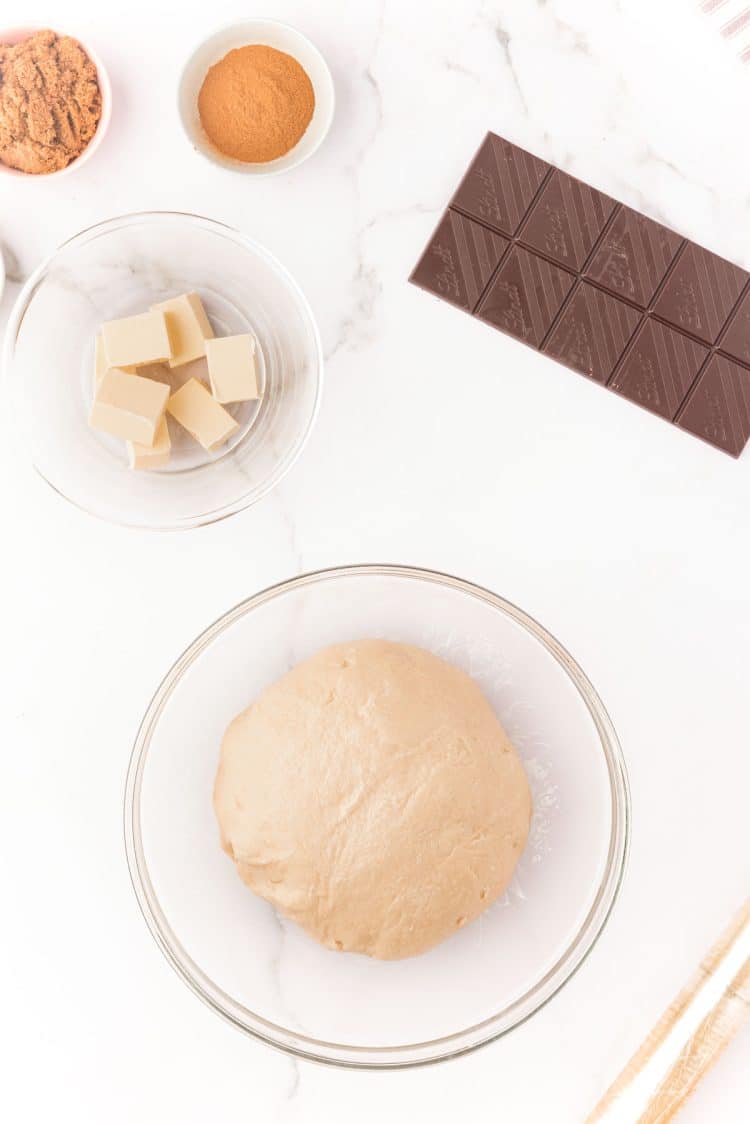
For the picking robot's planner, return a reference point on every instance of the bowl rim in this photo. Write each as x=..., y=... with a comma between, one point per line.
x=447, y=1046
x=8, y=35
x=18, y=311
x=237, y=166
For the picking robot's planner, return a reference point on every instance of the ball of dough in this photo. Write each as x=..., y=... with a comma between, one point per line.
x=372, y=796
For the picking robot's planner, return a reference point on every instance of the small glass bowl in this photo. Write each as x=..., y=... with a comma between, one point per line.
x=264, y=974
x=119, y=268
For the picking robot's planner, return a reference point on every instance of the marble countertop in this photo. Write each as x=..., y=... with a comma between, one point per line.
x=440, y=443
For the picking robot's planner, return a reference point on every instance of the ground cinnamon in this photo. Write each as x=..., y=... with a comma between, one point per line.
x=256, y=103
x=50, y=102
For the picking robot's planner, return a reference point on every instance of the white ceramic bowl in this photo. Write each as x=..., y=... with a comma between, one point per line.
x=270, y=33
x=262, y=972
x=17, y=35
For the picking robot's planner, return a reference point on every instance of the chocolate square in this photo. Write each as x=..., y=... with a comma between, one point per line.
x=501, y=182
x=566, y=220
x=526, y=296
x=718, y=409
x=634, y=256
x=659, y=369
x=701, y=292
x=593, y=332
x=459, y=260
x=736, y=340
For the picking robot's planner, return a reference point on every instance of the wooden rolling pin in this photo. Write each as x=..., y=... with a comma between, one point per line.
x=688, y=1038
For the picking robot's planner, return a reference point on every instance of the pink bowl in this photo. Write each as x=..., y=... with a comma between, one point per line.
x=16, y=35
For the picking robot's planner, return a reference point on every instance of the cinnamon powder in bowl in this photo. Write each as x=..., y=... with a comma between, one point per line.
x=256, y=103
x=256, y=97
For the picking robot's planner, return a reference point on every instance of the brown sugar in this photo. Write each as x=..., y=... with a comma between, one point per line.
x=256, y=103
x=50, y=102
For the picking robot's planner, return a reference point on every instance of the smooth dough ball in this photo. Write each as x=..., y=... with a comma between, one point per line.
x=372, y=796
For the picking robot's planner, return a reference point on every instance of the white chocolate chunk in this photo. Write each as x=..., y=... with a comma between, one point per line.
x=231, y=368
x=201, y=415
x=151, y=456
x=100, y=362
x=188, y=327
x=136, y=340
x=129, y=406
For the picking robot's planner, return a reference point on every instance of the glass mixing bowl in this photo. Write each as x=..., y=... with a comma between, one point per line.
x=263, y=973
x=119, y=268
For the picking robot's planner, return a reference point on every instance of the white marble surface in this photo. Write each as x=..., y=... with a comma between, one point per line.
x=440, y=443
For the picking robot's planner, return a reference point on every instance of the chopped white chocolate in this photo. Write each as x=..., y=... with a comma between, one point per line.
x=201, y=415
x=158, y=371
x=231, y=368
x=151, y=456
x=136, y=340
x=100, y=362
x=188, y=327
x=129, y=406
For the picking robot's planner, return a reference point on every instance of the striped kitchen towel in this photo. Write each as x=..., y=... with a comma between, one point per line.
x=732, y=18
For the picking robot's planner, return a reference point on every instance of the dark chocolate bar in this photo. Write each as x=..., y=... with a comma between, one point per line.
x=599, y=287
